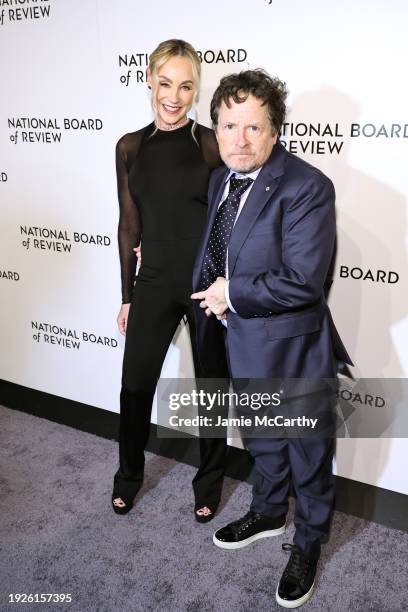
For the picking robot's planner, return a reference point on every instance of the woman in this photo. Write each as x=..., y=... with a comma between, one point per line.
x=162, y=171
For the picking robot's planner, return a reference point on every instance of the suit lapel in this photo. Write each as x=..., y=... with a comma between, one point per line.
x=217, y=189
x=261, y=193
x=215, y=197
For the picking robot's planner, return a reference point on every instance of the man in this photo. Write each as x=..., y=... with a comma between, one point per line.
x=261, y=271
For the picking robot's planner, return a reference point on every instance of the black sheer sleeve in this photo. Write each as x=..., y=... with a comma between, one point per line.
x=209, y=147
x=129, y=229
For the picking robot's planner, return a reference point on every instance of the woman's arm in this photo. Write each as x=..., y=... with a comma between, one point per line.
x=129, y=228
x=209, y=147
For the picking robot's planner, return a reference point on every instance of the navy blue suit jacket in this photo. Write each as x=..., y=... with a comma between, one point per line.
x=279, y=256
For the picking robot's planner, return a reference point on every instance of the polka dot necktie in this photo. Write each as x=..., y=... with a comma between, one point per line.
x=216, y=251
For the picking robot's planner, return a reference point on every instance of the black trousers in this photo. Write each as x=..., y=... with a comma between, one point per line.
x=154, y=315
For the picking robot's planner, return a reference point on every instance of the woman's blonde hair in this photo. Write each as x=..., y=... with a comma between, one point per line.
x=176, y=47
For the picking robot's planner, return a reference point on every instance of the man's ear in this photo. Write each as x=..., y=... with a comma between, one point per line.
x=274, y=135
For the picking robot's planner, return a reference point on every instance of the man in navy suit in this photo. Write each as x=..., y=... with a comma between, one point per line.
x=259, y=283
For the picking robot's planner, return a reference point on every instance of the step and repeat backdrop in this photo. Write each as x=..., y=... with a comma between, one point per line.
x=74, y=80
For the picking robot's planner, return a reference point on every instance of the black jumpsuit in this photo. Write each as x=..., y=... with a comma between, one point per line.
x=162, y=189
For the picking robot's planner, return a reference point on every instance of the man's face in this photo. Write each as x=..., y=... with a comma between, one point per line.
x=244, y=134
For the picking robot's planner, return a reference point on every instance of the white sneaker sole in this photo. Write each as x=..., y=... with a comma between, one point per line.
x=257, y=536
x=297, y=602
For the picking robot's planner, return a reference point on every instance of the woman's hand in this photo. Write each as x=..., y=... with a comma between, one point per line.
x=122, y=318
x=138, y=253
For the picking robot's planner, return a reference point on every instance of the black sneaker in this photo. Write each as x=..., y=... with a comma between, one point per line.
x=296, y=585
x=248, y=529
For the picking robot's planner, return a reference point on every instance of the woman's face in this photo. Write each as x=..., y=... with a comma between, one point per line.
x=173, y=90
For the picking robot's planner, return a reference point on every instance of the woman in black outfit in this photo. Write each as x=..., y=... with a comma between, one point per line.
x=163, y=172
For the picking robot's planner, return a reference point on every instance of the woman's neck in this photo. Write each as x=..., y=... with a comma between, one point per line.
x=168, y=127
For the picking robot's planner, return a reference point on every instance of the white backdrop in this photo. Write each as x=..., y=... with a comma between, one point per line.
x=73, y=76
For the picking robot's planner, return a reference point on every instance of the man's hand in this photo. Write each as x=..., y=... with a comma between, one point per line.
x=213, y=299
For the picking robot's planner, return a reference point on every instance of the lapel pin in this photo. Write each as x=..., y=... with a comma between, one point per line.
x=266, y=188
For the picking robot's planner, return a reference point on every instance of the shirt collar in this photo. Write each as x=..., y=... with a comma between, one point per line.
x=252, y=175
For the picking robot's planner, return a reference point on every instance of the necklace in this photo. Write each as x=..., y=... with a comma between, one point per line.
x=172, y=126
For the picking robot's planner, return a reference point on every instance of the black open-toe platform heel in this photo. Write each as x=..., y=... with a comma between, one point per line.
x=121, y=509
x=204, y=518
